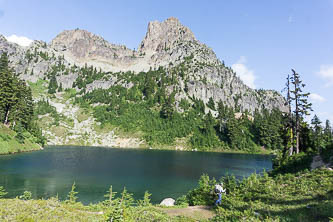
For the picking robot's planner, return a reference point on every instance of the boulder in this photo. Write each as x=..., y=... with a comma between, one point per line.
x=168, y=202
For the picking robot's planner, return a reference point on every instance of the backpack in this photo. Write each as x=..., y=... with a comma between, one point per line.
x=218, y=189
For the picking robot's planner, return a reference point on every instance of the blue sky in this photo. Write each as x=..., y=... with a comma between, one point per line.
x=262, y=40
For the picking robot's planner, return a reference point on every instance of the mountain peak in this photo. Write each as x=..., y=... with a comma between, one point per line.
x=69, y=38
x=83, y=47
x=163, y=35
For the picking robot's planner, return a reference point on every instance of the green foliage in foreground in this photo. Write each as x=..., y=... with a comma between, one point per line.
x=2, y=192
x=114, y=208
x=304, y=196
x=292, y=164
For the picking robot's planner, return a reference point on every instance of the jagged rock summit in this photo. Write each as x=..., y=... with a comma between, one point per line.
x=164, y=35
x=80, y=46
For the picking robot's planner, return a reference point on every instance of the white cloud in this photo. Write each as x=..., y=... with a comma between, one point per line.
x=20, y=40
x=316, y=97
x=326, y=72
x=246, y=75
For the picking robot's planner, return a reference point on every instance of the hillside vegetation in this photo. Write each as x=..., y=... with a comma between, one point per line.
x=11, y=143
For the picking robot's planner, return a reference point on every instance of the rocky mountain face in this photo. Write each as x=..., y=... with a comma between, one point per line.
x=167, y=44
x=195, y=71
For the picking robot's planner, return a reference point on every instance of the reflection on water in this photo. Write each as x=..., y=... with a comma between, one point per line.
x=52, y=171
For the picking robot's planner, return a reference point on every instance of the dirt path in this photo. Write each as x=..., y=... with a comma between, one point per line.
x=195, y=212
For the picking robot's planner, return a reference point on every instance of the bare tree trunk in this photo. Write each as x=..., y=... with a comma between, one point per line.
x=297, y=142
x=297, y=117
x=291, y=149
x=291, y=137
x=5, y=122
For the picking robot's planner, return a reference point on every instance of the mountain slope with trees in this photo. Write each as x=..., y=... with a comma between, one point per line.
x=173, y=92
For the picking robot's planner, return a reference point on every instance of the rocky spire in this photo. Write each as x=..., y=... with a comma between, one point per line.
x=164, y=35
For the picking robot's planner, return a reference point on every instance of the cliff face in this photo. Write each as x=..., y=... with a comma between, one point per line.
x=167, y=44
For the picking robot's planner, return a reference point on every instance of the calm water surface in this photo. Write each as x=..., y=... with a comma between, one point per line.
x=53, y=170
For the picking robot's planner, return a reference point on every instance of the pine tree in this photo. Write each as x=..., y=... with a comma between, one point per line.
x=8, y=89
x=167, y=109
x=211, y=104
x=301, y=106
x=53, y=85
x=16, y=103
x=72, y=195
x=328, y=134
x=60, y=88
x=149, y=86
x=317, y=133
x=221, y=115
x=224, y=114
x=267, y=129
x=2, y=192
x=22, y=110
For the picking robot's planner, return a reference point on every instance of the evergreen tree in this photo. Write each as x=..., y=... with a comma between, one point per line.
x=328, y=134
x=22, y=110
x=72, y=195
x=199, y=106
x=60, y=89
x=306, y=137
x=267, y=128
x=149, y=86
x=318, y=141
x=205, y=135
x=211, y=104
x=16, y=103
x=167, y=109
x=8, y=89
x=53, y=85
x=301, y=106
x=224, y=114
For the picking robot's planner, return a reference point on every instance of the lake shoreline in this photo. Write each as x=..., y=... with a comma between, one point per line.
x=22, y=151
x=140, y=147
x=263, y=152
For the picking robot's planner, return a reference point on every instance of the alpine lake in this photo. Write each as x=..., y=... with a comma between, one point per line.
x=52, y=171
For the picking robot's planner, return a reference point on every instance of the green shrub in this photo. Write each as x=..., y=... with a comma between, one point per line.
x=204, y=194
x=72, y=195
x=5, y=137
x=146, y=200
x=327, y=153
x=324, y=209
x=26, y=195
x=292, y=164
x=182, y=201
x=2, y=192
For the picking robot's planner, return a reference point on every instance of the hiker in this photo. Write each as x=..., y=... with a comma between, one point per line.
x=219, y=190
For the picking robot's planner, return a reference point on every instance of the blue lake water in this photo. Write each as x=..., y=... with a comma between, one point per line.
x=52, y=171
